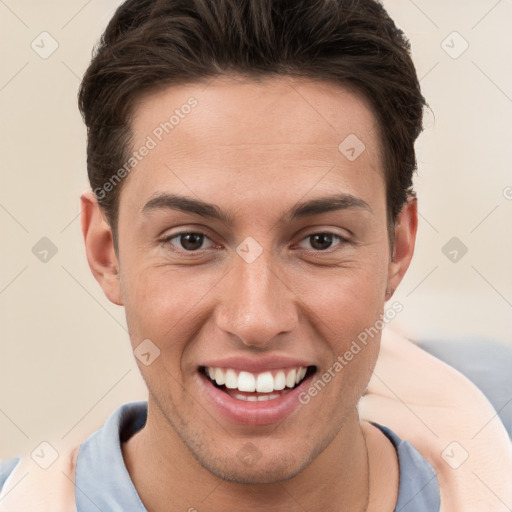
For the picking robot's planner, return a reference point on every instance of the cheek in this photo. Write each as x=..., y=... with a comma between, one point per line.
x=160, y=296
x=166, y=306
x=346, y=299
x=346, y=311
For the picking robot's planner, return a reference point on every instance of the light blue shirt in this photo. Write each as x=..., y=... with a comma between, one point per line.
x=102, y=481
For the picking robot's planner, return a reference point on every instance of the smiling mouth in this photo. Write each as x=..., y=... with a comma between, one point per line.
x=257, y=387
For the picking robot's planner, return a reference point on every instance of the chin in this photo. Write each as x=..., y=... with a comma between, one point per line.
x=258, y=463
x=260, y=472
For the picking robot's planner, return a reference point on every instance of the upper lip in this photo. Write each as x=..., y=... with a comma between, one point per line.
x=255, y=365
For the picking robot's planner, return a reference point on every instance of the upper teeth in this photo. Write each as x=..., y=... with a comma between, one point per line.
x=265, y=382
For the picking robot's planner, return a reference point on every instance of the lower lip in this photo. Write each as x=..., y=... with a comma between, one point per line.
x=252, y=413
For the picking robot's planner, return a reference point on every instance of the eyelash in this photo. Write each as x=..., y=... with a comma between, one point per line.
x=342, y=240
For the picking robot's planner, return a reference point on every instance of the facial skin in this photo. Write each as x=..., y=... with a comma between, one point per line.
x=255, y=150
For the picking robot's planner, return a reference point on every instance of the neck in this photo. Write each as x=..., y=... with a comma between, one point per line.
x=165, y=472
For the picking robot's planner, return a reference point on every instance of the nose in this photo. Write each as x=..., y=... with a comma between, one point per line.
x=257, y=304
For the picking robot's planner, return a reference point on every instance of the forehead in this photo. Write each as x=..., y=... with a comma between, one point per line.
x=244, y=136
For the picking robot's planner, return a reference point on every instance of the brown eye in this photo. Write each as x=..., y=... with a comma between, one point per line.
x=321, y=241
x=191, y=241
x=324, y=240
x=187, y=241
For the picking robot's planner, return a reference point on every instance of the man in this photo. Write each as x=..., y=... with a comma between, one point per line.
x=252, y=209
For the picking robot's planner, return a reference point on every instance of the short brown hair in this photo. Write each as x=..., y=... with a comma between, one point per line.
x=153, y=43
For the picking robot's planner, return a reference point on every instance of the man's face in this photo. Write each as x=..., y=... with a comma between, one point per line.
x=256, y=291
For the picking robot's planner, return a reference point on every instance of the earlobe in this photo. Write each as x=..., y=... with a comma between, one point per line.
x=99, y=247
x=403, y=249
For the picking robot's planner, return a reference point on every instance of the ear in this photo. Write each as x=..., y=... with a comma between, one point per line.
x=99, y=247
x=406, y=227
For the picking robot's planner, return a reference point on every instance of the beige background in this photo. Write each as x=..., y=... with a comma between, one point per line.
x=65, y=361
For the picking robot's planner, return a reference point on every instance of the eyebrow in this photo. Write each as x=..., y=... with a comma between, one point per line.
x=209, y=210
